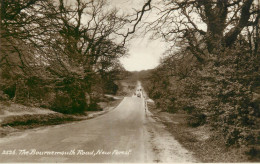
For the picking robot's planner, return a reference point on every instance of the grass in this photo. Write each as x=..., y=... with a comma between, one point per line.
x=17, y=117
x=36, y=120
x=23, y=117
x=207, y=144
x=21, y=122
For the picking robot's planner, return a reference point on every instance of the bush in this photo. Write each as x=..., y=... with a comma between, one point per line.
x=94, y=107
x=254, y=153
x=70, y=97
x=110, y=87
x=197, y=120
x=9, y=89
x=223, y=92
x=67, y=103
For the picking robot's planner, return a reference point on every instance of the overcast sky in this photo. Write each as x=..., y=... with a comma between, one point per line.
x=143, y=53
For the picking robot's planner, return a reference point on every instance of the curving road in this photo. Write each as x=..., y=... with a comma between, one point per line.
x=129, y=133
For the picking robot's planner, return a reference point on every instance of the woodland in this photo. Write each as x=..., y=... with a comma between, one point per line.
x=65, y=56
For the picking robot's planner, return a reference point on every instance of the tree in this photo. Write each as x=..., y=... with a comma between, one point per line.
x=22, y=27
x=85, y=43
x=214, y=72
x=63, y=43
x=204, y=24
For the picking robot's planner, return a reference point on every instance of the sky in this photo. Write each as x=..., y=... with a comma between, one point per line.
x=143, y=52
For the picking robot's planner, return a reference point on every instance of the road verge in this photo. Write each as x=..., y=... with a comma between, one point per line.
x=206, y=144
x=17, y=117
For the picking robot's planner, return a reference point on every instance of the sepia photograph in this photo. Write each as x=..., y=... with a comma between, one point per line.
x=130, y=81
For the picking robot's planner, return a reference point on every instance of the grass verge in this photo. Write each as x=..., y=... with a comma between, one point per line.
x=21, y=122
x=206, y=144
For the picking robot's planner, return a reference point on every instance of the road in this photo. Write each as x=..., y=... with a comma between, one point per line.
x=128, y=133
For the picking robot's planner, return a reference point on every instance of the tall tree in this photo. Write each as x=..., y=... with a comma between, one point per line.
x=204, y=24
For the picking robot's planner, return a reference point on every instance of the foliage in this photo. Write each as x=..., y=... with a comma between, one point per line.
x=203, y=26
x=212, y=68
x=56, y=54
x=221, y=93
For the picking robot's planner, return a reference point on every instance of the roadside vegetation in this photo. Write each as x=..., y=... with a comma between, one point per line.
x=206, y=144
x=210, y=73
x=16, y=117
x=62, y=55
x=53, y=59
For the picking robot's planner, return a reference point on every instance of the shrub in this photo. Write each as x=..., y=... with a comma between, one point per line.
x=94, y=107
x=70, y=97
x=9, y=89
x=197, y=120
x=69, y=102
x=223, y=92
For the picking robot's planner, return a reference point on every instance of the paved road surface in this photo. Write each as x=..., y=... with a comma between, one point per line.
x=128, y=133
